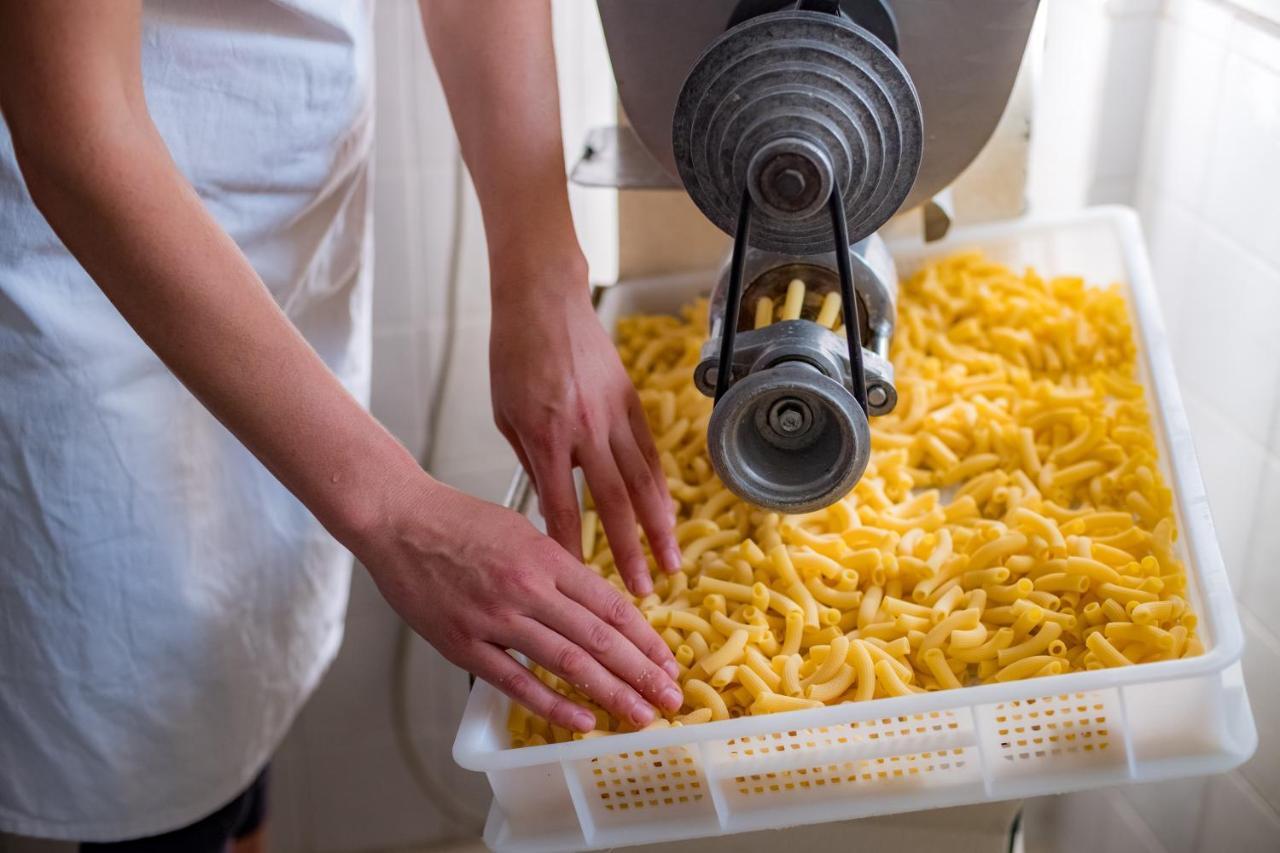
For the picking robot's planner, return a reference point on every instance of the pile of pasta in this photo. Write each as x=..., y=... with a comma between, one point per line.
x=1012, y=522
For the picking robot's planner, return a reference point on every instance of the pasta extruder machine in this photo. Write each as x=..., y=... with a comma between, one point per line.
x=800, y=128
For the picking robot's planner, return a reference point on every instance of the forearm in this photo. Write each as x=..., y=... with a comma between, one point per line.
x=122, y=208
x=497, y=64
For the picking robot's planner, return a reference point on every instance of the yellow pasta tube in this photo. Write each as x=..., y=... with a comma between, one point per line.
x=968, y=638
x=939, y=632
x=687, y=620
x=723, y=677
x=1001, y=639
x=790, y=680
x=808, y=605
x=1125, y=594
x=752, y=682
x=1034, y=645
x=759, y=664
x=1062, y=582
x=794, y=302
x=997, y=549
x=773, y=703
x=832, y=688
x=732, y=652
x=730, y=590
x=1132, y=633
x=811, y=564
x=1152, y=612
x=699, y=715
x=1106, y=653
x=1028, y=619
x=837, y=653
x=830, y=310
x=880, y=654
x=936, y=662
x=726, y=626
x=698, y=643
x=869, y=606
x=1095, y=570
x=897, y=606
x=767, y=597
x=699, y=694
x=864, y=671
x=1029, y=667
x=793, y=631
x=833, y=597
x=889, y=680
x=764, y=312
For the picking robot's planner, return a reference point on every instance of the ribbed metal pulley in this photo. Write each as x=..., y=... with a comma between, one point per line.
x=787, y=105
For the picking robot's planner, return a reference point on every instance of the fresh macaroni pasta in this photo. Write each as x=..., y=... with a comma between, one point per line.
x=1012, y=523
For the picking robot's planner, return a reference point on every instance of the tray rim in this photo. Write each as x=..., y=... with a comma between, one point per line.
x=1200, y=542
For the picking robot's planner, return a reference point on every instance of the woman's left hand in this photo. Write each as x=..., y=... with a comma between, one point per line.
x=563, y=400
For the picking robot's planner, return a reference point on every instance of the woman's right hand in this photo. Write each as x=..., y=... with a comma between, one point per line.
x=474, y=580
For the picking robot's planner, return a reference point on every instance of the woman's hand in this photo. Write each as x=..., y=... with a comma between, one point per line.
x=563, y=400
x=475, y=580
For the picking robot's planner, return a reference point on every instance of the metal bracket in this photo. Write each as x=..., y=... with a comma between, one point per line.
x=724, y=365
x=614, y=157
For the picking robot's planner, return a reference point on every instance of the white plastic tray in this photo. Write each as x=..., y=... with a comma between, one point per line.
x=977, y=744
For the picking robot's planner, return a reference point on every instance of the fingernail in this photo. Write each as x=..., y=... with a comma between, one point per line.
x=642, y=715
x=583, y=722
x=671, y=669
x=671, y=698
x=643, y=584
x=672, y=559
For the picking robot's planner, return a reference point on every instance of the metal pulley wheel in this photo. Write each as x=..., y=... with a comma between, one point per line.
x=789, y=438
x=788, y=106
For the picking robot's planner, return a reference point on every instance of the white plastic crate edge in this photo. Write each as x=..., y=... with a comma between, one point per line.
x=1138, y=702
x=476, y=746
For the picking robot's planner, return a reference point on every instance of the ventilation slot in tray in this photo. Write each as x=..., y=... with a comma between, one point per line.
x=935, y=747
x=1030, y=736
x=666, y=784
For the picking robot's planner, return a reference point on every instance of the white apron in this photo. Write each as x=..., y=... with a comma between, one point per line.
x=165, y=605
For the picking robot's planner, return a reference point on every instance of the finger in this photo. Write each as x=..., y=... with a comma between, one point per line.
x=558, y=500
x=649, y=497
x=609, y=647
x=514, y=440
x=498, y=668
x=597, y=596
x=613, y=503
x=576, y=666
x=644, y=440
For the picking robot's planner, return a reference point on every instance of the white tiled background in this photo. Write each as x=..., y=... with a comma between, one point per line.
x=1180, y=117
x=1172, y=106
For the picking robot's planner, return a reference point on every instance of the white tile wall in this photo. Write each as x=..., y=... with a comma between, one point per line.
x=1236, y=819
x=1172, y=810
x=1184, y=105
x=1095, y=821
x=1229, y=464
x=1205, y=181
x=1231, y=361
x=1242, y=182
x=1262, y=651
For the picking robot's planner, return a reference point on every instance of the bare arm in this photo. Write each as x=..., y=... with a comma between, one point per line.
x=472, y=578
x=560, y=394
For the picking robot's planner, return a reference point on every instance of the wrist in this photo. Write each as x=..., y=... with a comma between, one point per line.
x=537, y=276
x=368, y=507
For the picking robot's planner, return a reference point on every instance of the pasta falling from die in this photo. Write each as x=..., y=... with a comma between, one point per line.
x=1012, y=523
